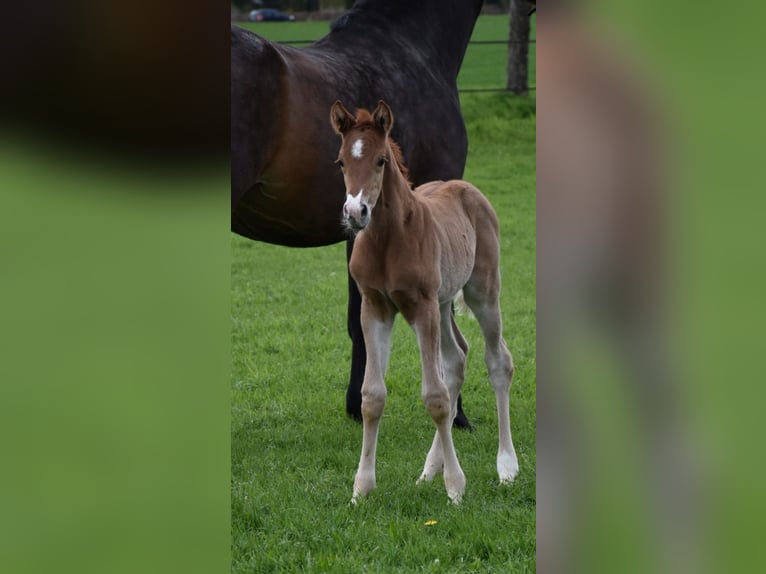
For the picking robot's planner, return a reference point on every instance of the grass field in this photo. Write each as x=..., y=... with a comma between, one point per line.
x=293, y=450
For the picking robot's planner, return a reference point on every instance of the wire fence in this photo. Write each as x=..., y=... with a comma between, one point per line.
x=506, y=42
x=461, y=90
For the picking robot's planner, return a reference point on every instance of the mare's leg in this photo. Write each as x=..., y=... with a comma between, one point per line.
x=358, y=351
x=453, y=352
x=377, y=323
x=460, y=421
x=436, y=396
x=483, y=301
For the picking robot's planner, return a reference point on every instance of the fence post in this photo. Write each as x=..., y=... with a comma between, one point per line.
x=518, y=48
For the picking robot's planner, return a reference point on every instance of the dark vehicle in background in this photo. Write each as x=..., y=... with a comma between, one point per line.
x=269, y=15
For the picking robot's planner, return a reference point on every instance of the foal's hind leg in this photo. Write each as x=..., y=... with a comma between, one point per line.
x=453, y=352
x=438, y=399
x=483, y=301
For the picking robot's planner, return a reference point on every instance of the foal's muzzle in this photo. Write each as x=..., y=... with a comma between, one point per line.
x=356, y=213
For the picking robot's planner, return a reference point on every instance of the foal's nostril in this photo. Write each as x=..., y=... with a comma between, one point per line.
x=364, y=210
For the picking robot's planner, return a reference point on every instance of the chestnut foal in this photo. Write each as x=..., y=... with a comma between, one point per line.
x=414, y=251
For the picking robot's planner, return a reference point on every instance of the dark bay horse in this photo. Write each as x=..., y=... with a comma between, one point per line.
x=285, y=188
x=415, y=251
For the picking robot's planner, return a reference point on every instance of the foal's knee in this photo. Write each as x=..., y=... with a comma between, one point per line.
x=500, y=367
x=373, y=401
x=437, y=404
x=454, y=368
x=508, y=368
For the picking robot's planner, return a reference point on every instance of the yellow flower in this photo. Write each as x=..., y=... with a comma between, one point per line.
x=430, y=522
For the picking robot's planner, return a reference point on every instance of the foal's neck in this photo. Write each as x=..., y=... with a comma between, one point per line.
x=396, y=199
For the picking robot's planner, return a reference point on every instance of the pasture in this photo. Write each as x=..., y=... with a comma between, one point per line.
x=293, y=450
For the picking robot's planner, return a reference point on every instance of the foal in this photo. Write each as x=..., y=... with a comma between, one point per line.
x=414, y=252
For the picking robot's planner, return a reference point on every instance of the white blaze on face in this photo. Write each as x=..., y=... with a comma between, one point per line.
x=356, y=149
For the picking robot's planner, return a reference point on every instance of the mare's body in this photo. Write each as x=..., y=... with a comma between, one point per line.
x=285, y=188
x=414, y=252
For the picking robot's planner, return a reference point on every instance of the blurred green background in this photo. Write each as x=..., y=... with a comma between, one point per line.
x=115, y=358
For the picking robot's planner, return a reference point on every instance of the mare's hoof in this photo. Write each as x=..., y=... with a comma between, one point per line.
x=354, y=406
x=355, y=416
x=461, y=422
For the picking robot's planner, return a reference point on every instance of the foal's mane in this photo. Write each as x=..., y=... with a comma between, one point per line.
x=364, y=120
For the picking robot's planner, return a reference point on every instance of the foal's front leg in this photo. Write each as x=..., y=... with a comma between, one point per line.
x=377, y=323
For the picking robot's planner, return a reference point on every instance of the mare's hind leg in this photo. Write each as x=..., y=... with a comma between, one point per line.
x=483, y=301
x=377, y=323
x=453, y=352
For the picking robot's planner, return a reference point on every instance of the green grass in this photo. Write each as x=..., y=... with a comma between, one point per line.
x=286, y=31
x=293, y=450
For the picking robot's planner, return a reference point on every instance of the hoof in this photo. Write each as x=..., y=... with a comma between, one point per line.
x=429, y=472
x=455, y=488
x=424, y=478
x=507, y=467
x=357, y=496
x=356, y=417
x=354, y=401
x=363, y=485
x=456, y=495
x=462, y=422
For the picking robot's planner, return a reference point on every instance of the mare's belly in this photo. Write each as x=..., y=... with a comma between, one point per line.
x=273, y=215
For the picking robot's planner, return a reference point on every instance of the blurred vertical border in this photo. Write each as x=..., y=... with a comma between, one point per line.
x=114, y=289
x=650, y=283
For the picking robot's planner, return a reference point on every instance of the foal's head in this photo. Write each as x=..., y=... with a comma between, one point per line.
x=363, y=156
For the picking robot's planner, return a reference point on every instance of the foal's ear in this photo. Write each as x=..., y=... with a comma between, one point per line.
x=341, y=118
x=383, y=117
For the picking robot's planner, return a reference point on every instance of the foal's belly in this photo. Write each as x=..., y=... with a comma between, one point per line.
x=457, y=258
x=453, y=281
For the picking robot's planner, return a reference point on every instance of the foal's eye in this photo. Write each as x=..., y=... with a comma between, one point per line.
x=381, y=161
